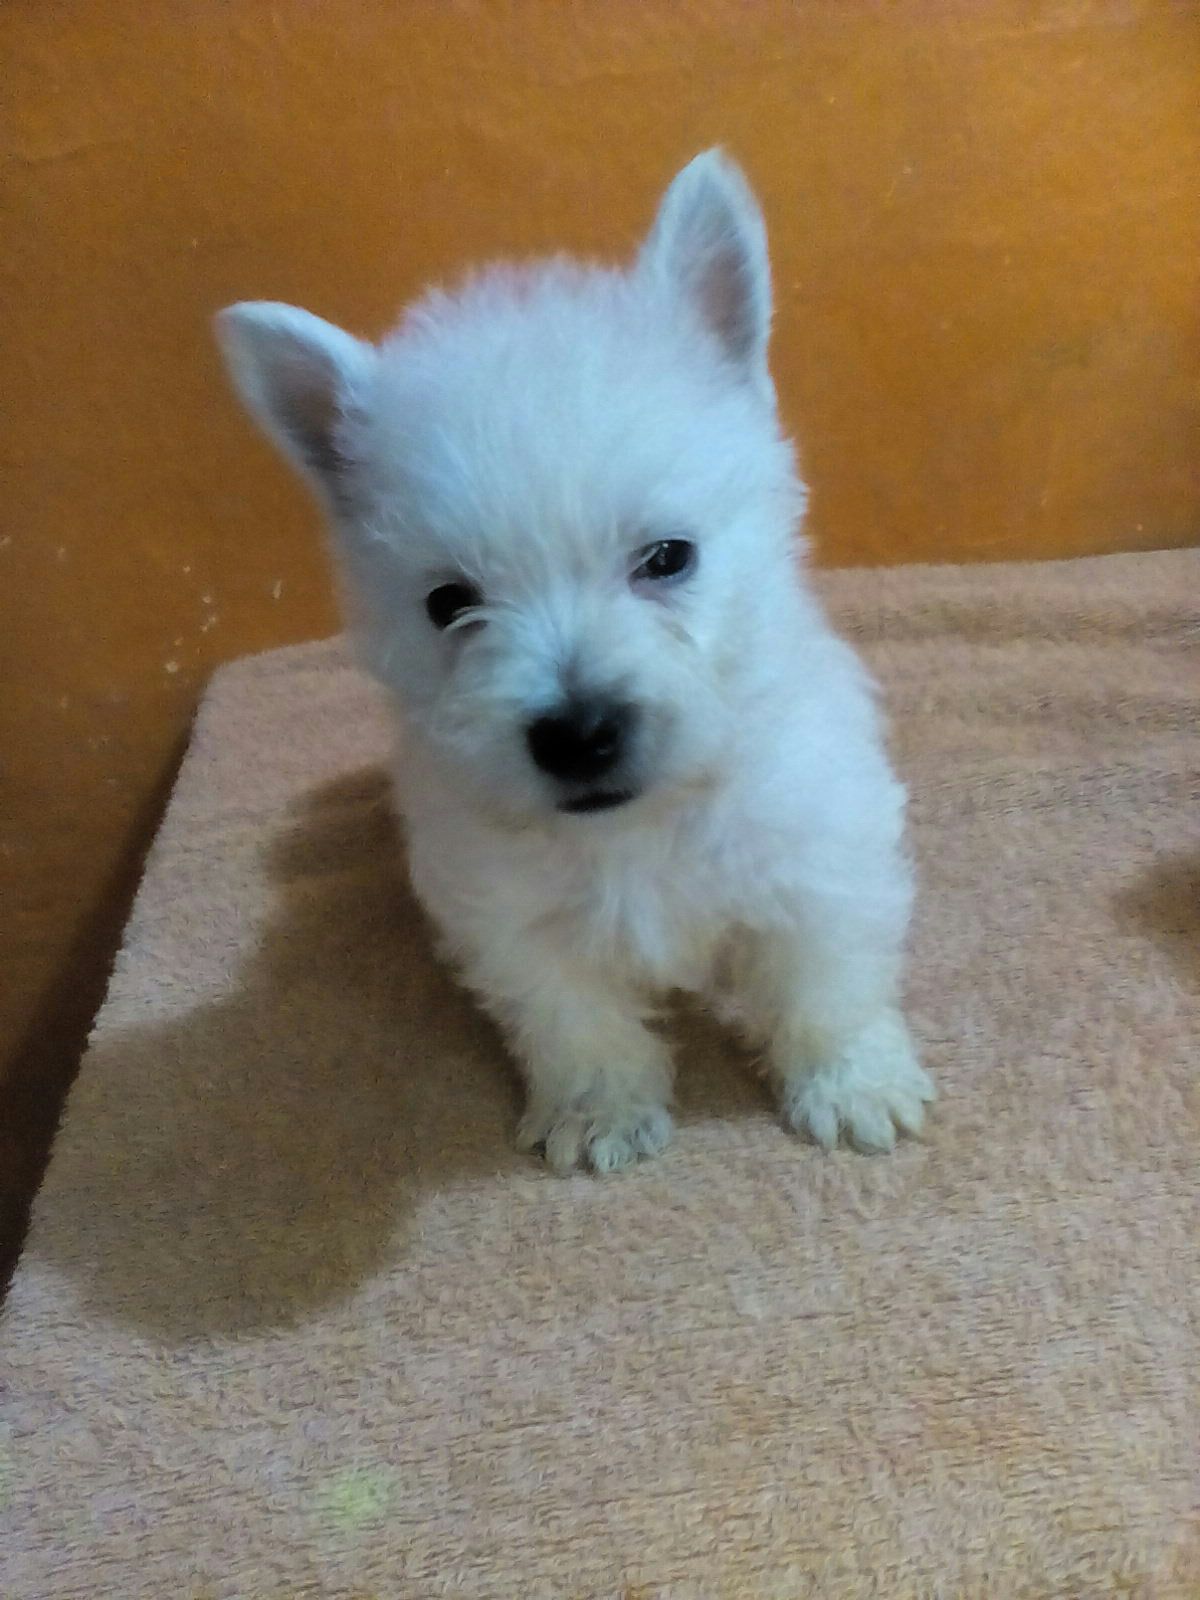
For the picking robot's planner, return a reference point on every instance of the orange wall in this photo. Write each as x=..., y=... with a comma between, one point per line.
x=985, y=220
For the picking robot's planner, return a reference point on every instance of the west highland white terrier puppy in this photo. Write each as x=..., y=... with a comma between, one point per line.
x=634, y=757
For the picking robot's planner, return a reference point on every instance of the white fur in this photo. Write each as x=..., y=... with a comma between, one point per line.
x=532, y=434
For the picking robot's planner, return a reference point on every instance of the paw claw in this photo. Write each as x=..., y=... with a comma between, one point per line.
x=821, y=1121
x=872, y=1132
x=563, y=1145
x=909, y=1113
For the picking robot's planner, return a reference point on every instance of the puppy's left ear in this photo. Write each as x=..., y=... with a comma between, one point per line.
x=710, y=245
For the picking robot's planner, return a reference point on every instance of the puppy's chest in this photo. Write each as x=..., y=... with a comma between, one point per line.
x=660, y=920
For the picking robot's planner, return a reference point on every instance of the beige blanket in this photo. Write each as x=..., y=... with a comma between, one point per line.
x=296, y=1320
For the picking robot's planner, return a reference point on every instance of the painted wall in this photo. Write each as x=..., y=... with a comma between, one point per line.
x=985, y=218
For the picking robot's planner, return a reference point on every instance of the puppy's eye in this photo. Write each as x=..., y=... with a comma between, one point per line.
x=448, y=602
x=669, y=558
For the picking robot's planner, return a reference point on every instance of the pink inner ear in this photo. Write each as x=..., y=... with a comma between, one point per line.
x=726, y=298
x=308, y=397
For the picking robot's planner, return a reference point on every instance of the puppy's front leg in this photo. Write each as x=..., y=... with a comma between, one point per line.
x=840, y=1053
x=598, y=1080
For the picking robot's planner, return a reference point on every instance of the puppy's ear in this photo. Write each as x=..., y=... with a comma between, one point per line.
x=299, y=377
x=710, y=244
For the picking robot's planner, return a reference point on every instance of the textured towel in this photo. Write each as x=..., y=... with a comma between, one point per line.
x=296, y=1320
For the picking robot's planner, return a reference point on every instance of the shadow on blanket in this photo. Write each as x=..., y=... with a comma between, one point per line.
x=265, y=1152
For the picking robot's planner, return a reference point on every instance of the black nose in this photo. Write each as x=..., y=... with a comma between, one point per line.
x=582, y=741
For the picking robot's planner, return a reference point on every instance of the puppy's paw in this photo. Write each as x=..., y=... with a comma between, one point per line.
x=873, y=1087
x=604, y=1135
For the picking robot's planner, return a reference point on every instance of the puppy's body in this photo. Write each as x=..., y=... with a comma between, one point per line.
x=634, y=757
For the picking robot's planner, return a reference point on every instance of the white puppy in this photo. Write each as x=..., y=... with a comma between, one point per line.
x=634, y=758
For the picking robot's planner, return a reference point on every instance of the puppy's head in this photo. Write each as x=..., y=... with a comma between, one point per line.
x=562, y=509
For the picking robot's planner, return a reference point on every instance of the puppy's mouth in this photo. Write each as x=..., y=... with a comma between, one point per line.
x=596, y=800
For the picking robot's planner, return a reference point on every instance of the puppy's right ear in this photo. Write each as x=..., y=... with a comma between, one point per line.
x=300, y=377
